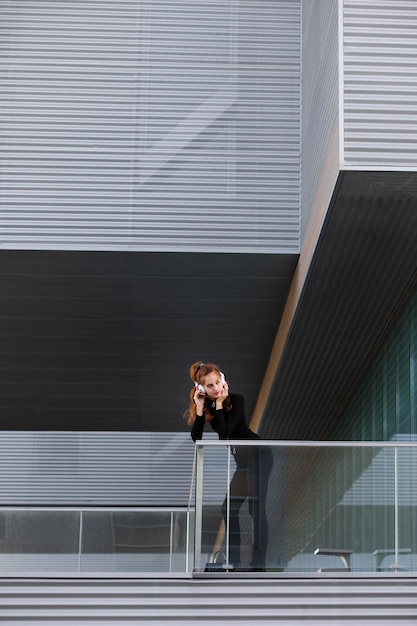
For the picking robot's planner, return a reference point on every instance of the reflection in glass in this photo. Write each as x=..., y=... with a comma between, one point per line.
x=138, y=541
x=39, y=540
x=329, y=507
x=101, y=540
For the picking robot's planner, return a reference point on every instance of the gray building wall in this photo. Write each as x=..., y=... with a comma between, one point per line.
x=146, y=125
x=167, y=602
x=379, y=84
x=358, y=95
x=95, y=468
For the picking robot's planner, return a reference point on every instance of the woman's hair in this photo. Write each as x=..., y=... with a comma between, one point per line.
x=198, y=372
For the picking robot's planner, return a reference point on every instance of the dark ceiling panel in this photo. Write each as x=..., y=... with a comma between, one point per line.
x=364, y=261
x=104, y=340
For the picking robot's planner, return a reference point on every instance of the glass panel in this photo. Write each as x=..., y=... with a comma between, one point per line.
x=51, y=540
x=326, y=508
x=234, y=526
x=405, y=558
x=382, y=406
x=39, y=541
x=211, y=487
x=134, y=541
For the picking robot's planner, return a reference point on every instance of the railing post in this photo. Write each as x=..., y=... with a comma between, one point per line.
x=227, y=541
x=171, y=540
x=198, y=504
x=396, y=565
x=80, y=541
x=188, y=519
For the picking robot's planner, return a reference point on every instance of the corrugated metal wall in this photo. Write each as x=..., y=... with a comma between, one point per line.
x=320, y=109
x=380, y=84
x=235, y=602
x=107, y=468
x=146, y=125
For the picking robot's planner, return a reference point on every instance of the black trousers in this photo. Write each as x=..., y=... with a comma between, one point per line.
x=250, y=481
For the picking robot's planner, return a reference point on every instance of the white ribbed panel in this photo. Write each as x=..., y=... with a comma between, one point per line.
x=380, y=83
x=150, y=125
x=164, y=602
x=320, y=108
x=107, y=468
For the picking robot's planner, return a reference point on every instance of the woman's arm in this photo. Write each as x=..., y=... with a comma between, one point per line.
x=227, y=422
x=198, y=427
x=219, y=423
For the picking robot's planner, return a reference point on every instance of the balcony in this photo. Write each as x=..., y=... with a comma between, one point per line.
x=339, y=508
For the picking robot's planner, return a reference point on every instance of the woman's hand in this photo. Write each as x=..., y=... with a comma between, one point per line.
x=199, y=399
x=223, y=396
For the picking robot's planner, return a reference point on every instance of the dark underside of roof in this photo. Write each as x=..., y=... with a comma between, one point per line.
x=104, y=340
x=364, y=261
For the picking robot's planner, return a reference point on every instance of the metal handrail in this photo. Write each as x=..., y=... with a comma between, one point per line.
x=307, y=444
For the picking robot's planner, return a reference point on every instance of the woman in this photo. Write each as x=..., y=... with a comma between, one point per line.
x=210, y=401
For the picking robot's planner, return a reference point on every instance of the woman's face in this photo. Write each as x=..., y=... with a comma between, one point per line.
x=213, y=385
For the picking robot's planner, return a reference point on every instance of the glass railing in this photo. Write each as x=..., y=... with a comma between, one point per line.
x=305, y=507
x=102, y=540
x=283, y=507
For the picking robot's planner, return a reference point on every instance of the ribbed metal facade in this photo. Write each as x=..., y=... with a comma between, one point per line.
x=380, y=84
x=110, y=469
x=146, y=125
x=235, y=602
